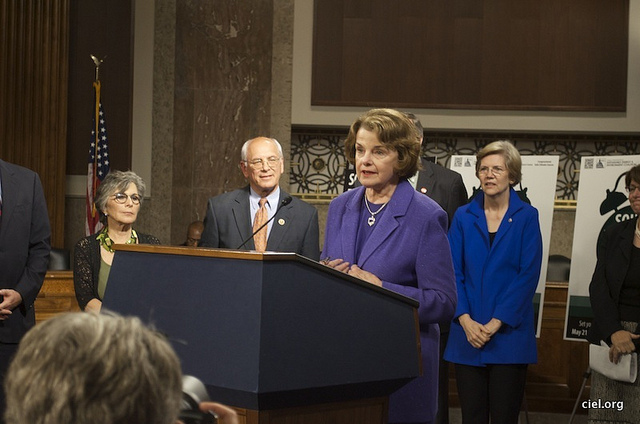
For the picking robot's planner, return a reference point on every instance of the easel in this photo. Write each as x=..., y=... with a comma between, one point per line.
x=585, y=376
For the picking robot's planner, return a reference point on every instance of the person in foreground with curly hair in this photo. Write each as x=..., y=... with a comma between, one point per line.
x=97, y=368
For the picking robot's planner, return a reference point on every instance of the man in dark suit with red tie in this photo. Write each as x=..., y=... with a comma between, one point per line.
x=24, y=255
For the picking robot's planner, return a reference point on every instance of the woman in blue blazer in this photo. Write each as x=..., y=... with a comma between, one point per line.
x=497, y=251
x=388, y=234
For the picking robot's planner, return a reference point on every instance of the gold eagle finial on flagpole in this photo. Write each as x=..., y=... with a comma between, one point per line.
x=97, y=62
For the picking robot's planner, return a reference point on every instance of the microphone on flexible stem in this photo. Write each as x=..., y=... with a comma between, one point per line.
x=284, y=202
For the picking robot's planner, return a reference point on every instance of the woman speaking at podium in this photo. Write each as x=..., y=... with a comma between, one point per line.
x=387, y=234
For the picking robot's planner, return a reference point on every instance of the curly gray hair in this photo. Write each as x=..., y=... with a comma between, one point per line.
x=116, y=182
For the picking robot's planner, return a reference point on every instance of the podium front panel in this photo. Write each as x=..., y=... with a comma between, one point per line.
x=318, y=330
x=266, y=334
x=209, y=309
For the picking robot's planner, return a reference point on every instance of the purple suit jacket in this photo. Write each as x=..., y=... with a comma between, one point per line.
x=409, y=251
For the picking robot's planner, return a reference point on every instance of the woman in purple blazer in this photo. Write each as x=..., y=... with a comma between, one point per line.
x=388, y=234
x=497, y=251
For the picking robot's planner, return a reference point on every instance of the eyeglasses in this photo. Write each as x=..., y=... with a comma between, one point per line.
x=121, y=198
x=632, y=188
x=259, y=163
x=495, y=170
x=193, y=241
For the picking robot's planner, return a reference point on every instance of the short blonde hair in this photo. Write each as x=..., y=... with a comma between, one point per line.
x=511, y=156
x=93, y=368
x=396, y=131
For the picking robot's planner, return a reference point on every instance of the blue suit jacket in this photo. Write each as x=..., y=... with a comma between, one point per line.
x=24, y=245
x=228, y=223
x=496, y=281
x=408, y=250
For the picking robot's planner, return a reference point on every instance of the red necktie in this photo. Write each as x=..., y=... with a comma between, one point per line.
x=260, y=238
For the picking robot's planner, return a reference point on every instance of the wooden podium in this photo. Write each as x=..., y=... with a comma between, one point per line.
x=279, y=336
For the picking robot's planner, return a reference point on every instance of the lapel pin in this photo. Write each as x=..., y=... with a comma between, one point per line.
x=510, y=220
x=281, y=221
x=423, y=190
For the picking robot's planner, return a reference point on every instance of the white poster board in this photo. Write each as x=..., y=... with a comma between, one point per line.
x=602, y=200
x=539, y=177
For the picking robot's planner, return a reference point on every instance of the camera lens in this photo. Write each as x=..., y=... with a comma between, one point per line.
x=194, y=393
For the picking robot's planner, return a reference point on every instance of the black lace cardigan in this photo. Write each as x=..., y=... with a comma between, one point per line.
x=86, y=266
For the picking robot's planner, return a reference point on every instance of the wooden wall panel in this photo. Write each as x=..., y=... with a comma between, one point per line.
x=33, y=95
x=484, y=54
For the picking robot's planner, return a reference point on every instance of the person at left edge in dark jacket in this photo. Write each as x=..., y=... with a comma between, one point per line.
x=25, y=244
x=118, y=200
x=388, y=234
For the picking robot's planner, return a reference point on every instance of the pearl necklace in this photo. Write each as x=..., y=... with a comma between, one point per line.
x=637, y=231
x=372, y=219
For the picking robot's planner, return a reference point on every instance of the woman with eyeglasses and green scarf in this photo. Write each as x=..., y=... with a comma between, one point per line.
x=118, y=200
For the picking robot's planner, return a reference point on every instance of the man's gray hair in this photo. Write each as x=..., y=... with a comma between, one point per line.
x=93, y=368
x=245, y=147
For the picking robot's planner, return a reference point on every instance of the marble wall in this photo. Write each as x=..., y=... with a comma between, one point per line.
x=232, y=82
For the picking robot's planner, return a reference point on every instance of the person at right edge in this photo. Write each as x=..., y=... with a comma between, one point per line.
x=615, y=300
x=496, y=247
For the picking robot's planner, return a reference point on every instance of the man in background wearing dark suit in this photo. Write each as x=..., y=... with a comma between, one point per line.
x=233, y=217
x=439, y=183
x=24, y=255
x=447, y=188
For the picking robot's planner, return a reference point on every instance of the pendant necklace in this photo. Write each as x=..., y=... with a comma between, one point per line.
x=372, y=219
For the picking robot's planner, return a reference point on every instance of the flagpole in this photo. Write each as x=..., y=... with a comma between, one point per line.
x=96, y=86
x=98, y=159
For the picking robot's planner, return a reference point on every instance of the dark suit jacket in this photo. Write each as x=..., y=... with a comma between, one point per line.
x=443, y=185
x=614, y=253
x=409, y=251
x=228, y=223
x=24, y=245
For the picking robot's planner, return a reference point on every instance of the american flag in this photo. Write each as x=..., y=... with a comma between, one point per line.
x=98, y=162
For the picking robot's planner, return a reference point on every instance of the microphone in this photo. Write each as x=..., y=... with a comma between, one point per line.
x=284, y=202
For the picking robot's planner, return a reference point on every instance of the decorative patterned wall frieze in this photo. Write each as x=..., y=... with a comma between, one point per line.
x=318, y=162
